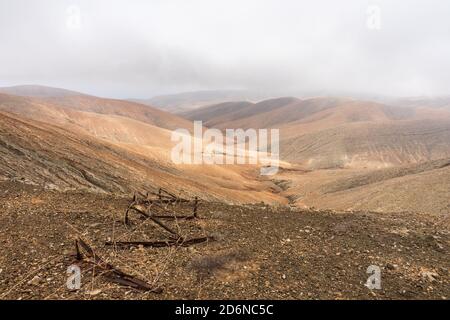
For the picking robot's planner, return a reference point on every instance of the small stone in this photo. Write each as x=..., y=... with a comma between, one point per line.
x=439, y=247
x=442, y=270
x=283, y=276
x=391, y=266
x=430, y=276
x=35, y=281
x=94, y=292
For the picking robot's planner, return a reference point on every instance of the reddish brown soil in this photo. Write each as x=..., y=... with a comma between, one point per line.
x=260, y=252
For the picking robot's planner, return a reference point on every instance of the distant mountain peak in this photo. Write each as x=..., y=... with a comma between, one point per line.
x=38, y=91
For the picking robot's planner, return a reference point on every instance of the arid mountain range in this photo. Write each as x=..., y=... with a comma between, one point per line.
x=188, y=101
x=335, y=152
x=341, y=133
x=360, y=184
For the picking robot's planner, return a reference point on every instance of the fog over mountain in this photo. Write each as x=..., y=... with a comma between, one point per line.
x=141, y=49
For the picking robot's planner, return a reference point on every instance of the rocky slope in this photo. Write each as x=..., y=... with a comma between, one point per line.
x=57, y=158
x=259, y=252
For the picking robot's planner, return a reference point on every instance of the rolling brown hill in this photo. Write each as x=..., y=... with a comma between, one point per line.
x=370, y=145
x=123, y=108
x=290, y=112
x=188, y=101
x=38, y=153
x=338, y=132
x=144, y=140
x=60, y=158
x=422, y=188
x=37, y=91
x=112, y=128
x=222, y=115
x=41, y=97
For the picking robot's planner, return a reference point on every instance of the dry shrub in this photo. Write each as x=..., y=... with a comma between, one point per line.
x=206, y=265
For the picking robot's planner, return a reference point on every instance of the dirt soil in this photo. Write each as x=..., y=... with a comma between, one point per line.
x=260, y=252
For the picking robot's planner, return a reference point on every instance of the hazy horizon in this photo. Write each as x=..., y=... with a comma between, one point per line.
x=143, y=49
x=262, y=95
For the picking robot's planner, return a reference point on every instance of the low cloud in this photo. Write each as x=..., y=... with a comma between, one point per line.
x=143, y=48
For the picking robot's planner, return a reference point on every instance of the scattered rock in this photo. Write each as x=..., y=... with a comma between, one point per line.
x=95, y=225
x=439, y=247
x=429, y=276
x=35, y=281
x=391, y=266
x=94, y=292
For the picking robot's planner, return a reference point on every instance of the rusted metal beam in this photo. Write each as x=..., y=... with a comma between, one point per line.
x=158, y=244
x=195, y=206
x=143, y=212
x=112, y=273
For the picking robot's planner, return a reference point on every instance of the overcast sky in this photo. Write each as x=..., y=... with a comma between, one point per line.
x=133, y=48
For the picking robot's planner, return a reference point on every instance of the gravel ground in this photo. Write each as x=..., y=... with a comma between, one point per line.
x=260, y=252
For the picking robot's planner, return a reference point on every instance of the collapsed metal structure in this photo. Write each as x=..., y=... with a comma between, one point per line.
x=150, y=207
x=155, y=207
x=86, y=253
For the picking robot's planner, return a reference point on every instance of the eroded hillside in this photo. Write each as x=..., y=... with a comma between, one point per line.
x=54, y=157
x=422, y=188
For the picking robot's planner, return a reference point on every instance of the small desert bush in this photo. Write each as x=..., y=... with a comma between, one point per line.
x=206, y=265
